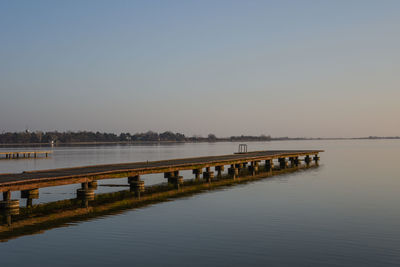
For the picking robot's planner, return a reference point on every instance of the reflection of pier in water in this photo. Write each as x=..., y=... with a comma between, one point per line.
x=18, y=221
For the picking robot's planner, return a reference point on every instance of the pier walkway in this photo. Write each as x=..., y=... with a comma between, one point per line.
x=44, y=178
x=247, y=164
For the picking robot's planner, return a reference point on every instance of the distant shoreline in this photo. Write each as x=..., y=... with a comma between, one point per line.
x=220, y=140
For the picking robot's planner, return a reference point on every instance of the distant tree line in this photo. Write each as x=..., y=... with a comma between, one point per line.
x=87, y=136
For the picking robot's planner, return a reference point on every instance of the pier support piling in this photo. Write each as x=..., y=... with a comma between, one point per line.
x=174, y=179
x=296, y=162
x=93, y=184
x=136, y=185
x=291, y=159
x=233, y=172
x=85, y=194
x=282, y=163
x=269, y=165
x=239, y=166
x=30, y=195
x=307, y=160
x=316, y=159
x=197, y=173
x=219, y=170
x=253, y=168
x=9, y=205
x=6, y=195
x=208, y=175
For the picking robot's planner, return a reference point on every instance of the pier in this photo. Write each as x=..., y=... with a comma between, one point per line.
x=206, y=170
x=24, y=154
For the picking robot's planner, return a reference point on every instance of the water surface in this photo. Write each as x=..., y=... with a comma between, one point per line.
x=344, y=213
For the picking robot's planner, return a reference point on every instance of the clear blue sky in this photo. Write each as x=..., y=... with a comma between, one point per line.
x=284, y=68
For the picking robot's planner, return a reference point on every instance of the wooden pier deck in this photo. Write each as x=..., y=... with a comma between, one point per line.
x=24, y=154
x=241, y=167
x=45, y=178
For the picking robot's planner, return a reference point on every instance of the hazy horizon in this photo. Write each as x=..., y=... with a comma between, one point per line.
x=279, y=68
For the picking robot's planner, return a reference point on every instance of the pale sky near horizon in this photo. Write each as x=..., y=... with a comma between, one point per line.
x=280, y=68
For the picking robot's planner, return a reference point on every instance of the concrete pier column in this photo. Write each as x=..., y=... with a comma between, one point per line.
x=197, y=173
x=269, y=165
x=233, y=172
x=168, y=174
x=136, y=185
x=307, y=160
x=239, y=166
x=132, y=179
x=219, y=170
x=92, y=184
x=253, y=168
x=316, y=159
x=208, y=176
x=256, y=166
x=30, y=195
x=282, y=163
x=9, y=205
x=171, y=176
x=174, y=178
x=178, y=182
x=85, y=185
x=6, y=195
x=85, y=194
x=291, y=159
x=296, y=162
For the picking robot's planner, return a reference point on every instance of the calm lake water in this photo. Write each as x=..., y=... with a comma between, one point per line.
x=343, y=213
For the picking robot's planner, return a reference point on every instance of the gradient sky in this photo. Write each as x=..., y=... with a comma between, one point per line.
x=281, y=68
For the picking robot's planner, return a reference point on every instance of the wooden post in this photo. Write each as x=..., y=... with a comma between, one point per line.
x=92, y=184
x=85, y=193
x=316, y=159
x=85, y=185
x=219, y=170
x=269, y=165
x=233, y=172
x=136, y=185
x=8, y=205
x=7, y=196
x=174, y=178
x=291, y=159
x=252, y=168
x=30, y=195
x=307, y=160
x=197, y=173
x=208, y=175
x=296, y=161
x=282, y=163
